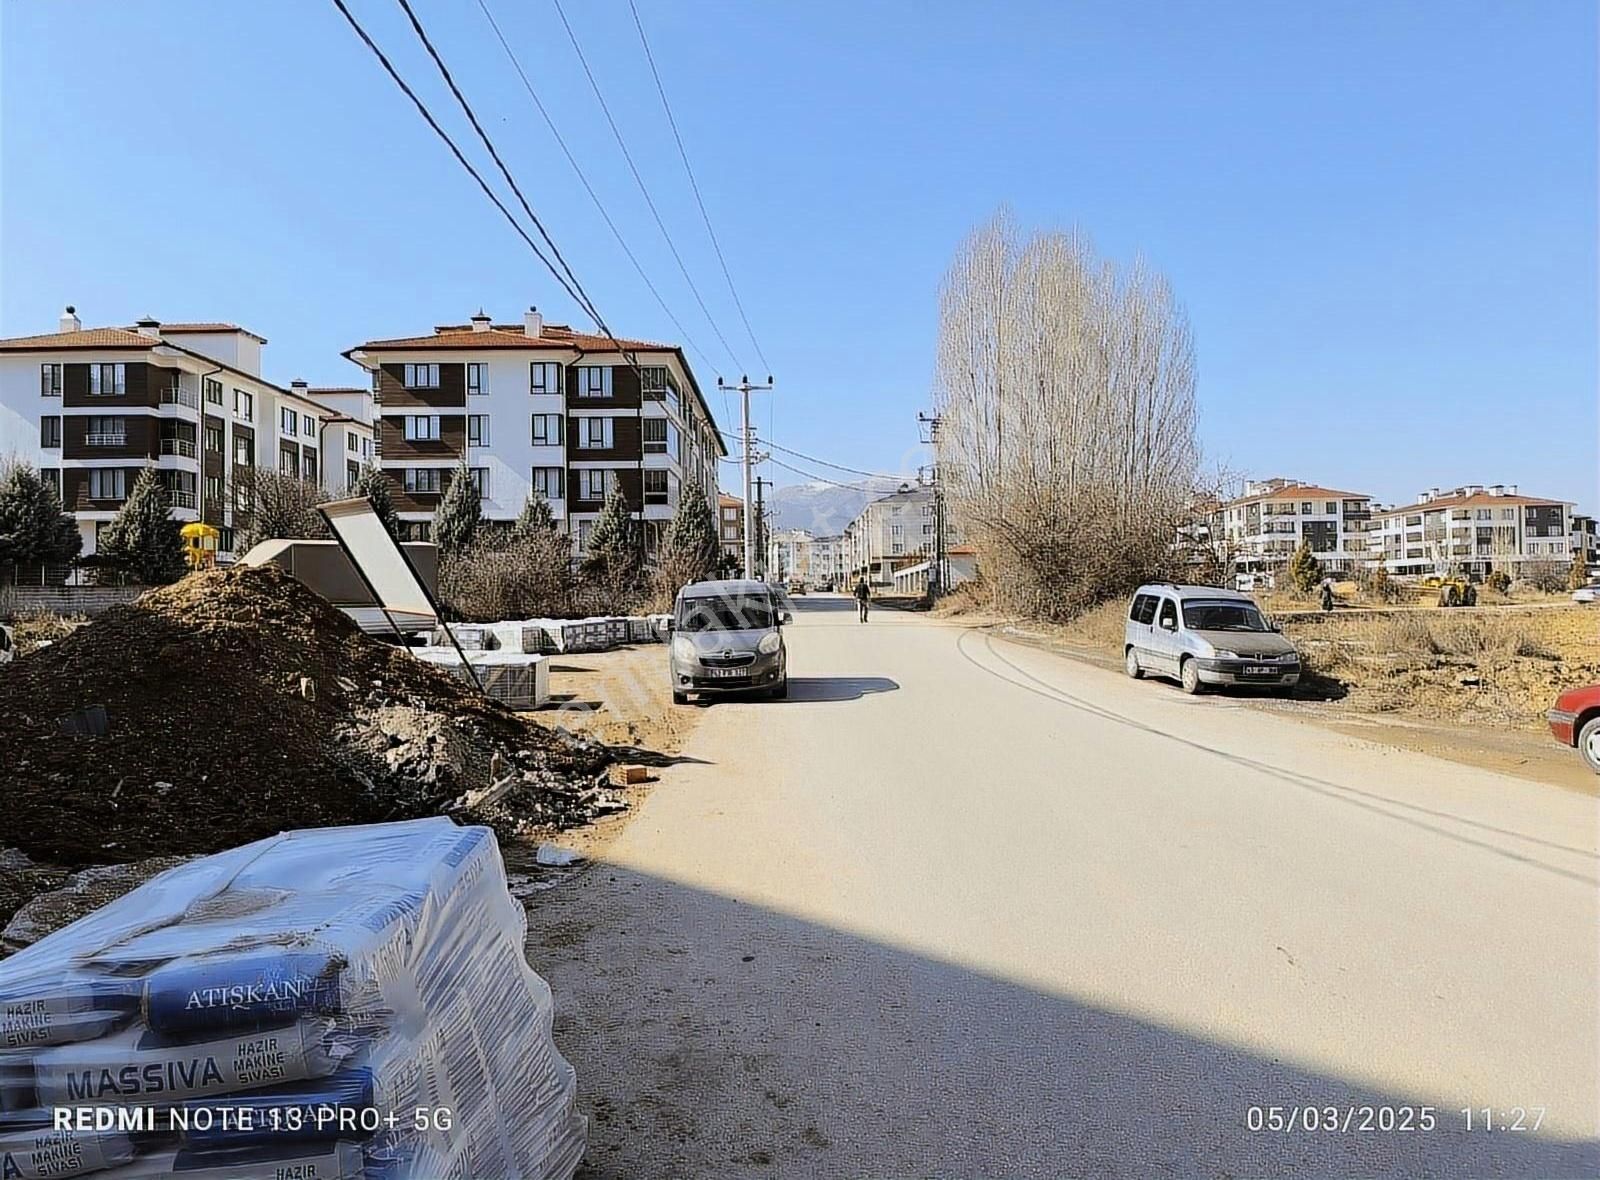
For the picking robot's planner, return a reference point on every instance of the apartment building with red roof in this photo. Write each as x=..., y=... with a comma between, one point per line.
x=1475, y=529
x=1262, y=527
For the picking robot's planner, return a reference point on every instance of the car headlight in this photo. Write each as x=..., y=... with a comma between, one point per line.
x=683, y=650
x=1223, y=654
x=769, y=644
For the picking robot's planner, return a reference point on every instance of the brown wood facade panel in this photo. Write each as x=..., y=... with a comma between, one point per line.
x=630, y=479
x=626, y=443
x=405, y=501
x=624, y=391
x=141, y=385
x=75, y=490
x=392, y=391
x=396, y=448
x=139, y=429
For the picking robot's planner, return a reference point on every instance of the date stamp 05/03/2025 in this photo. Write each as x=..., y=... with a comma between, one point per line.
x=1401, y=1119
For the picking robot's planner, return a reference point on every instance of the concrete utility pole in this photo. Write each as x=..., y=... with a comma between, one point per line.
x=745, y=389
x=939, y=579
x=761, y=526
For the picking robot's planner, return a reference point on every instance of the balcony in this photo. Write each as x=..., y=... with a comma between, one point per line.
x=106, y=439
x=176, y=395
x=178, y=446
x=183, y=499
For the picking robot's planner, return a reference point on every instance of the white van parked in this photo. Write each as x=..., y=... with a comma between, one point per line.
x=1202, y=635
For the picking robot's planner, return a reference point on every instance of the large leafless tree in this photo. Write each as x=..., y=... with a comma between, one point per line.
x=1067, y=437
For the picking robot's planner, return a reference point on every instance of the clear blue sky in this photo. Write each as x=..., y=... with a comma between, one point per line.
x=1381, y=216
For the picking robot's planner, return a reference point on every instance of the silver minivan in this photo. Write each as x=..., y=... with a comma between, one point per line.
x=1205, y=635
x=728, y=637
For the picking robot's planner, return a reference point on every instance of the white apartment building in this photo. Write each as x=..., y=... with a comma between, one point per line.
x=539, y=407
x=93, y=407
x=1474, y=529
x=891, y=531
x=730, y=528
x=1263, y=527
x=789, y=556
x=827, y=561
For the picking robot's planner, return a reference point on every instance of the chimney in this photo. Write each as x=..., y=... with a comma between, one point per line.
x=1511, y=489
x=1497, y=489
x=1472, y=489
x=480, y=322
x=70, y=321
x=148, y=326
x=298, y=385
x=533, y=323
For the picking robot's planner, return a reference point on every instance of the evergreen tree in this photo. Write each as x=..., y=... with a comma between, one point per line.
x=33, y=528
x=691, y=551
x=613, y=556
x=458, y=514
x=1304, y=568
x=144, y=540
x=374, y=485
x=535, y=517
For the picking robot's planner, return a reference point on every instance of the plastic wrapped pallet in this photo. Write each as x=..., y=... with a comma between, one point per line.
x=297, y=992
x=520, y=681
x=660, y=626
x=470, y=636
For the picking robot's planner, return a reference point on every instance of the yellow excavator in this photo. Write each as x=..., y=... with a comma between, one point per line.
x=200, y=545
x=1447, y=591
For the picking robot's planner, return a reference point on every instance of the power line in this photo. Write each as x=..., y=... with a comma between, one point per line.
x=589, y=188
x=823, y=462
x=695, y=185
x=643, y=188
x=854, y=487
x=444, y=135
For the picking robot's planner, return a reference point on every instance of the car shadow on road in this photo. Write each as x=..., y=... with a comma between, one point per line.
x=838, y=688
x=718, y=1038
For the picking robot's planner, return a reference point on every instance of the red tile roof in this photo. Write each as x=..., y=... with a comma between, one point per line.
x=1475, y=500
x=511, y=336
x=86, y=338
x=1299, y=491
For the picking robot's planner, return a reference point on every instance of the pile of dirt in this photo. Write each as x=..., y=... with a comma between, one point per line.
x=237, y=704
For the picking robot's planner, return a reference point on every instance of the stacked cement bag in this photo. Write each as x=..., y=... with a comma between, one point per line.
x=344, y=1002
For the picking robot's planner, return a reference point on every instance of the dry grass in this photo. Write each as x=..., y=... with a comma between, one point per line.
x=43, y=626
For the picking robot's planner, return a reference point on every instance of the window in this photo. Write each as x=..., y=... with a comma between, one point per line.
x=352, y=445
x=308, y=466
x=366, y=448
x=108, y=483
x=595, y=434
x=108, y=380
x=548, y=482
x=288, y=420
x=480, y=480
x=288, y=460
x=213, y=438
x=241, y=452
x=477, y=430
x=50, y=432
x=49, y=380
x=308, y=426
x=105, y=432
x=653, y=379
x=655, y=435
x=1485, y=514
x=1168, y=618
x=1144, y=609
x=213, y=391
x=593, y=482
x=352, y=473
x=244, y=404
x=422, y=479
x=1305, y=508
x=422, y=427
x=477, y=380
x=544, y=377
x=213, y=489
x=547, y=430
x=594, y=380
x=655, y=484
x=1508, y=514
x=1330, y=508
x=422, y=376
x=51, y=476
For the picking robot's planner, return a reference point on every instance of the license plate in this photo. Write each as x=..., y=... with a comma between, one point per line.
x=1259, y=670
x=727, y=671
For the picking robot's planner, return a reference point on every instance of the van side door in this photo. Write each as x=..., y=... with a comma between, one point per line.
x=1165, y=635
x=1140, y=617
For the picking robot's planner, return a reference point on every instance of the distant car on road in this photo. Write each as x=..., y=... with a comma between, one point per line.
x=1202, y=635
x=728, y=637
x=1575, y=721
x=1589, y=593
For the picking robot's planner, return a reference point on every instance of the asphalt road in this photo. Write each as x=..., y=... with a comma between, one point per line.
x=965, y=908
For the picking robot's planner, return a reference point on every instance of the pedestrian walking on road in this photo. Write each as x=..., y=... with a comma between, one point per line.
x=863, y=598
x=1327, y=594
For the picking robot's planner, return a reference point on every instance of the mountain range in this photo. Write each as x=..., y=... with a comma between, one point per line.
x=823, y=509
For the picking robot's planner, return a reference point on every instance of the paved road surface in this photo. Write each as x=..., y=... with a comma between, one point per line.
x=965, y=908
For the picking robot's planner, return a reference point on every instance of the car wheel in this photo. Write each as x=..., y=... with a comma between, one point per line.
x=1189, y=676
x=1131, y=663
x=680, y=698
x=1589, y=743
x=780, y=691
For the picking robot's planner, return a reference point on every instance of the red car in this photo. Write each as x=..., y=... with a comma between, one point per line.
x=1575, y=721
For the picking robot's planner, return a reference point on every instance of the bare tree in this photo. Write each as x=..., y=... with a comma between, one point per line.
x=1067, y=438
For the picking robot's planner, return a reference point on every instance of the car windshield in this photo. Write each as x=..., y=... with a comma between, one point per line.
x=735, y=612
x=1222, y=616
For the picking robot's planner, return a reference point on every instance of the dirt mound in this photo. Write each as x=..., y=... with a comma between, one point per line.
x=238, y=704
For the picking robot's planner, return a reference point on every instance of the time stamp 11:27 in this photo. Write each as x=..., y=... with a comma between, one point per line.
x=1358, y=1119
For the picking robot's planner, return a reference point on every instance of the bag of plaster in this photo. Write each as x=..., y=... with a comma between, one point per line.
x=80, y=1011
x=286, y=1161
x=31, y=1149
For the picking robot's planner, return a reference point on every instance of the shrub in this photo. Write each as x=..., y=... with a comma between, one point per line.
x=1305, y=571
x=505, y=574
x=1499, y=581
x=280, y=505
